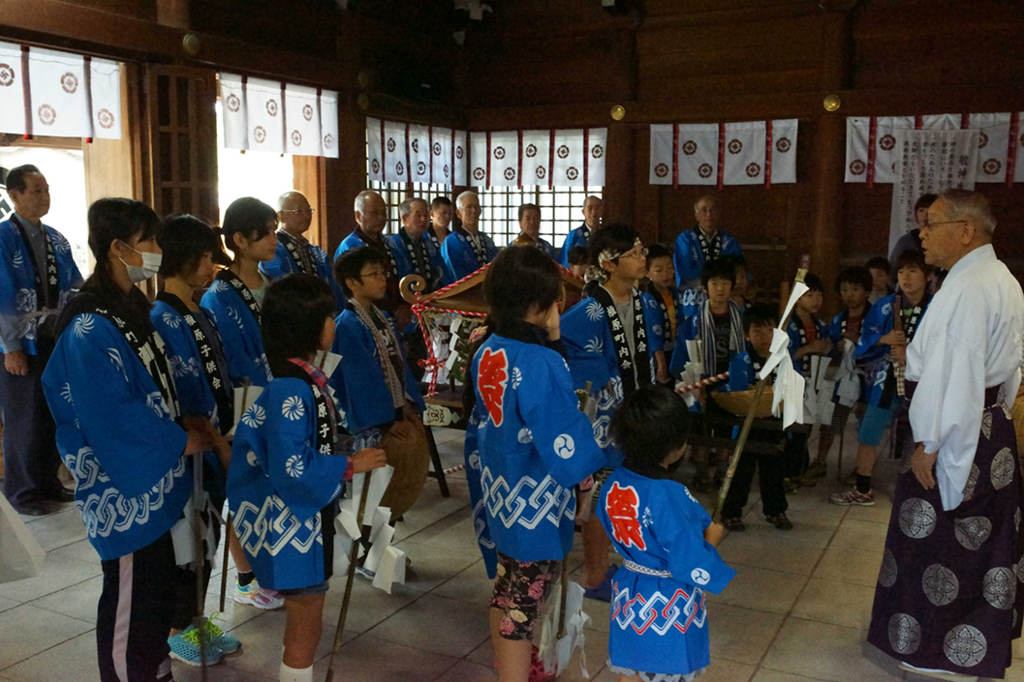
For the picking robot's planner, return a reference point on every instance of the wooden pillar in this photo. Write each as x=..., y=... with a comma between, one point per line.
x=344, y=177
x=646, y=197
x=829, y=210
x=619, y=171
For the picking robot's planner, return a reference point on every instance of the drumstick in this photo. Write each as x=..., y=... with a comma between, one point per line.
x=353, y=557
x=224, y=569
x=198, y=560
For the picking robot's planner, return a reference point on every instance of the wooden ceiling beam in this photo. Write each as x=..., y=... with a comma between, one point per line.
x=888, y=102
x=52, y=23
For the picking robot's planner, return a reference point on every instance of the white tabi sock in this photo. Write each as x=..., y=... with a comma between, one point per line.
x=296, y=674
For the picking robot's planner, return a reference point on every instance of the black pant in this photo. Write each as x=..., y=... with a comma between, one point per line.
x=796, y=457
x=773, y=490
x=135, y=613
x=30, y=452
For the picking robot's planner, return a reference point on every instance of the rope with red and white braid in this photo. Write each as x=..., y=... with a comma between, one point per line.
x=703, y=382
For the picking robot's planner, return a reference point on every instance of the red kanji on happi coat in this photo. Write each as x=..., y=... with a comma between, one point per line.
x=492, y=380
x=623, y=505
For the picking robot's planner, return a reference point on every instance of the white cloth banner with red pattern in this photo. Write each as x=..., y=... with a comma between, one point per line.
x=46, y=92
x=871, y=144
x=513, y=158
x=302, y=120
x=418, y=139
x=270, y=116
x=747, y=153
x=929, y=161
x=535, y=167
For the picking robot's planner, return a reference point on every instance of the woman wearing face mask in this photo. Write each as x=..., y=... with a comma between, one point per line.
x=113, y=398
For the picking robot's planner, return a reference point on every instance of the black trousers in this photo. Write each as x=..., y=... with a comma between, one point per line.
x=30, y=452
x=771, y=470
x=796, y=457
x=135, y=612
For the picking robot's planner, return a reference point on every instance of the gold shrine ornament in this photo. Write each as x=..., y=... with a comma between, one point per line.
x=832, y=103
x=190, y=44
x=618, y=112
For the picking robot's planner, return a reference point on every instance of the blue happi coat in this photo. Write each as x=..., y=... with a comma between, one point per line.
x=436, y=278
x=659, y=622
x=116, y=435
x=591, y=350
x=693, y=299
x=18, y=296
x=577, y=237
x=240, y=334
x=742, y=374
x=278, y=483
x=688, y=257
x=459, y=257
x=195, y=396
x=354, y=241
x=877, y=323
x=359, y=386
x=284, y=264
x=793, y=329
x=530, y=446
x=679, y=306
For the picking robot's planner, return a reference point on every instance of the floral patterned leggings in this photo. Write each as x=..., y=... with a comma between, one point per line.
x=520, y=591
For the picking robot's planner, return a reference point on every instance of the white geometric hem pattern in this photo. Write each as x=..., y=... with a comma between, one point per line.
x=274, y=519
x=546, y=499
x=111, y=512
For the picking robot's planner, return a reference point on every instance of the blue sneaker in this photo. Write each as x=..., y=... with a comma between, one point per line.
x=185, y=648
x=224, y=641
x=602, y=592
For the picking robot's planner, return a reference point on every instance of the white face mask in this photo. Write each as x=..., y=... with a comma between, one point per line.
x=149, y=268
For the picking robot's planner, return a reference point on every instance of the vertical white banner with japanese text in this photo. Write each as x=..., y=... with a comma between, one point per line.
x=929, y=161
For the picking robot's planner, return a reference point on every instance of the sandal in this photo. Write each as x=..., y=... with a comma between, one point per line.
x=733, y=524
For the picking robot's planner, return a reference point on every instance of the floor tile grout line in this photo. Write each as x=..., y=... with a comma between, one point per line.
x=40, y=653
x=789, y=613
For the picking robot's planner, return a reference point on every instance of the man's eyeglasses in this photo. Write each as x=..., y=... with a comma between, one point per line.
x=376, y=274
x=299, y=210
x=930, y=225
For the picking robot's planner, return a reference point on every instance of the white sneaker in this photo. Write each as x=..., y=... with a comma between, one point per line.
x=254, y=595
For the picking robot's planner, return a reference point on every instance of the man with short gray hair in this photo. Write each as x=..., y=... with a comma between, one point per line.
x=705, y=242
x=294, y=253
x=416, y=254
x=371, y=215
x=467, y=249
x=947, y=600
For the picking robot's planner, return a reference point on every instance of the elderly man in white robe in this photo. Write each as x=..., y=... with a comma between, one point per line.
x=947, y=603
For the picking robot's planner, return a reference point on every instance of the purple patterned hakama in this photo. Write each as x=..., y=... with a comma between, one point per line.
x=947, y=596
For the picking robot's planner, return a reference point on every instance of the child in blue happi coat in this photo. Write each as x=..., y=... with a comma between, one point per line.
x=659, y=629
x=527, y=445
x=196, y=359
x=759, y=323
x=236, y=295
x=808, y=336
x=853, y=287
x=718, y=327
x=880, y=336
x=286, y=471
x=661, y=285
x=122, y=437
x=612, y=343
x=374, y=385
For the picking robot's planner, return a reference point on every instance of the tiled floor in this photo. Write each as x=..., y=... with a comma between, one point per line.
x=797, y=610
